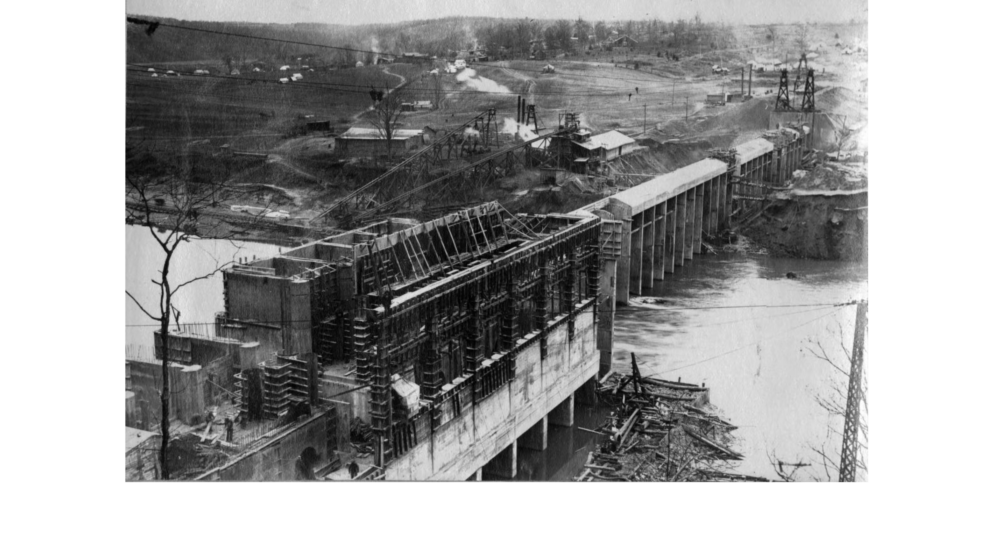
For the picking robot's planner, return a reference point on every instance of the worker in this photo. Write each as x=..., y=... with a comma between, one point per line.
x=229, y=429
x=636, y=90
x=630, y=97
x=352, y=469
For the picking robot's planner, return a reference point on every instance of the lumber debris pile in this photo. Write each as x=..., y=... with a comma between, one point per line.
x=660, y=431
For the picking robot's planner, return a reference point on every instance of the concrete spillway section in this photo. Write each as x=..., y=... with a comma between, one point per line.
x=665, y=220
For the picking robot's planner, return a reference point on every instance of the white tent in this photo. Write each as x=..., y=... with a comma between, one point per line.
x=150, y=70
x=256, y=69
x=296, y=76
x=359, y=64
x=283, y=80
x=155, y=75
x=235, y=72
x=286, y=67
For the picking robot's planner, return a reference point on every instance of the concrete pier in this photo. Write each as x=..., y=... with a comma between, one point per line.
x=699, y=220
x=562, y=414
x=713, y=221
x=691, y=226
x=606, y=314
x=659, y=250
x=623, y=213
x=648, y=246
x=681, y=234
x=670, y=249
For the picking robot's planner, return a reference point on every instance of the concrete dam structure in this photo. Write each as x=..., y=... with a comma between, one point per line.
x=466, y=332
x=463, y=339
x=668, y=216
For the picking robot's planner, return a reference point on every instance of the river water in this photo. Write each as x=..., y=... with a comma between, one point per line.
x=716, y=321
x=722, y=320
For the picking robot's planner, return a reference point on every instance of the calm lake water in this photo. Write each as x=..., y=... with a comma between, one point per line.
x=755, y=359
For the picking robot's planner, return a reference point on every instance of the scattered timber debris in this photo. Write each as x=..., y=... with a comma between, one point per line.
x=661, y=431
x=361, y=436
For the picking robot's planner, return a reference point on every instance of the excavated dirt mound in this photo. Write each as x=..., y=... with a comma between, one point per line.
x=752, y=114
x=816, y=227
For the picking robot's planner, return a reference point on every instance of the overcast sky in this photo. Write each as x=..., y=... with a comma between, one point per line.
x=389, y=11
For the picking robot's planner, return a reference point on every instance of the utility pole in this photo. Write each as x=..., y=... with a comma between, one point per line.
x=849, y=450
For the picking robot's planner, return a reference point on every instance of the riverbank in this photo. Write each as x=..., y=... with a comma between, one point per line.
x=822, y=215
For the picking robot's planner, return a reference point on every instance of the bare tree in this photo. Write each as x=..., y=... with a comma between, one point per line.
x=387, y=107
x=179, y=198
x=824, y=465
x=843, y=132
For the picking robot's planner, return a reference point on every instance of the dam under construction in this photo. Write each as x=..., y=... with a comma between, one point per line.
x=437, y=349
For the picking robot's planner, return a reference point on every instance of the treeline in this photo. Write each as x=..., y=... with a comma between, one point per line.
x=518, y=38
x=431, y=37
x=441, y=37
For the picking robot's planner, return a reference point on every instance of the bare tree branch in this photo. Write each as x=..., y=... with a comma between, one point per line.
x=826, y=358
x=141, y=308
x=202, y=277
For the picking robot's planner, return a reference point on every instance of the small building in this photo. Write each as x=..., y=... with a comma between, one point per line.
x=141, y=455
x=718, y=98
x=429, y=134
x=368, y=141
x=622, y=44
x=414, y=58
x=605, y=146
x=318, y=125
